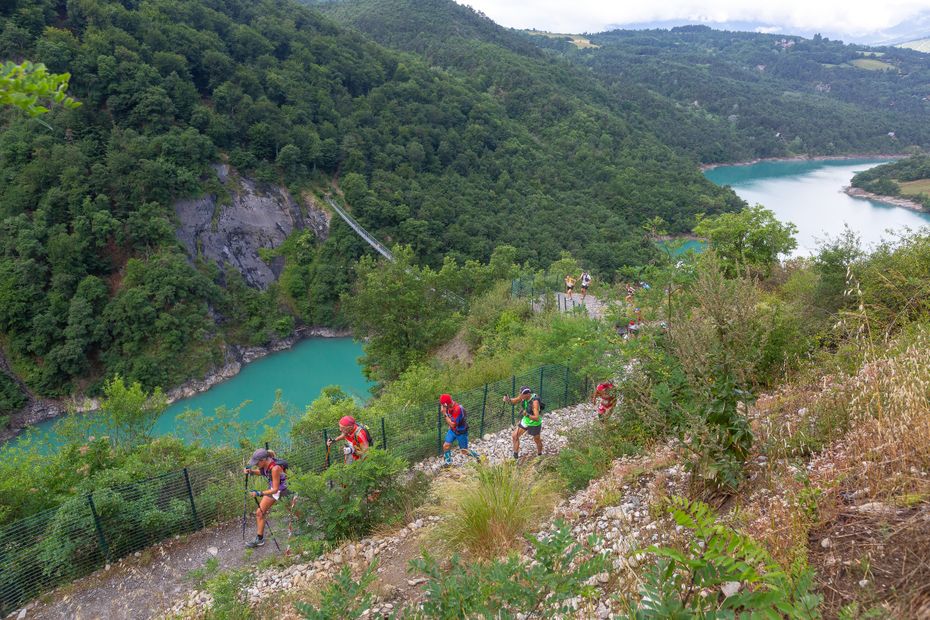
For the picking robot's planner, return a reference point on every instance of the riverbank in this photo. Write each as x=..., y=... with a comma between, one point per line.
x=895, y=201
x=235, y=359
x=759, y=160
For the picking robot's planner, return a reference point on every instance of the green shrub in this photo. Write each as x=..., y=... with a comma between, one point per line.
x=687, y=584
x=344, y=598
x=226, y=588
x=488, y=511
x=591, y=450
x=543, y=588
x=349, y=499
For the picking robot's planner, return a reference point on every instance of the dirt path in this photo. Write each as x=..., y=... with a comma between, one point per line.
x=139, y=586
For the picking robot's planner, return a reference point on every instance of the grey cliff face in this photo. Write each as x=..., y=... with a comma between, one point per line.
x=255, y=217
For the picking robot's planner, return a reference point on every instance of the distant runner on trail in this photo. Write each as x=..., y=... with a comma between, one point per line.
x=630, y=291
x=356, y=436
x=585, y=283
x=263, y=463
x=569, y=285
x=531, y=422
x=455, y=416
x=605, y=391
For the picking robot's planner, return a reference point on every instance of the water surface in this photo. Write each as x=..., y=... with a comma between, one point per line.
x=810, y=195
x=300, y=373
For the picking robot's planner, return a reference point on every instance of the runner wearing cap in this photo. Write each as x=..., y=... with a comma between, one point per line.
x=263, y=463
x=531, y=422
x=606, y=392
x=356, y=436
x=455, y=416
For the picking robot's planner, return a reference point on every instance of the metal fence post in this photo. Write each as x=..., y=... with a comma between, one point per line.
x=542, y=369
x=266, y=445
x=101, y=539
x=565, y=398
x=326, y=447
x=513, y=389
x=484, y=405
x=190, y=494
x=438, y=431
x=383, y=435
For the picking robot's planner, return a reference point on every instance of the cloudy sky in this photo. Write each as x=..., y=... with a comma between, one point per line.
x=856, y=18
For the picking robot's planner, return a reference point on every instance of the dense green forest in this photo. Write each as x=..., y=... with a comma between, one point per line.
x=713, y=95
x=906, y=178
x=726, y=96
x=92, y=279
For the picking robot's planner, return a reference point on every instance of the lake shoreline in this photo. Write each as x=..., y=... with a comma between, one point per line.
x=236, y=357
x=750, y=162
x=894, y=201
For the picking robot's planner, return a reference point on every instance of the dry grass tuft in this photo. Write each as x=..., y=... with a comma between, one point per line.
x=488, y=512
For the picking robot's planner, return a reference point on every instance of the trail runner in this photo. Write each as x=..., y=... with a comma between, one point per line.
x=531, y=422
x=456, y=419
x=263, y=463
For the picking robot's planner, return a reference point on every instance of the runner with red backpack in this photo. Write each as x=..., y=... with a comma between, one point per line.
x=263, y=463
x=607, y=393
x=456, y=419
x=356, y=436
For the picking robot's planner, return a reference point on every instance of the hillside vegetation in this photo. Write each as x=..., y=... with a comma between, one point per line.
x=92, y=279
x=906, y=178
x=729, y=96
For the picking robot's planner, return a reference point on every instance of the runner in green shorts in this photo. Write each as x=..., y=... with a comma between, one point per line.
x=531, y=422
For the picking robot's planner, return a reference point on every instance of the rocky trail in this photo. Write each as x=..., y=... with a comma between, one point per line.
x=161, y=581
x=614, y=507
x=595, y=308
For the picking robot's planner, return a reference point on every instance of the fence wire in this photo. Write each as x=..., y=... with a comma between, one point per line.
x=88, y=531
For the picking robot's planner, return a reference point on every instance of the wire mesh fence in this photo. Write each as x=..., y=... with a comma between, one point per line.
x=88, y=531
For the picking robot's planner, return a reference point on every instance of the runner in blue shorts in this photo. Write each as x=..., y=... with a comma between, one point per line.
x=454, y=414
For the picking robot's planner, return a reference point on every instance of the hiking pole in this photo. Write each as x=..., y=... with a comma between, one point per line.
x=245, y=504
x=267, y=524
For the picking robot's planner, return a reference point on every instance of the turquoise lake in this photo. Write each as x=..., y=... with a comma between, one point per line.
x=810, y=195
x=300, y=373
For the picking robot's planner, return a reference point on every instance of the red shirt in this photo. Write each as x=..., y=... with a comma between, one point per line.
x=604, y=390
x=455, y=411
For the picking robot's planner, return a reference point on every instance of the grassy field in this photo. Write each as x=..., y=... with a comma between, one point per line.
x=579, y=41
x=870, y=64
x=913, y=188
x=921, y=45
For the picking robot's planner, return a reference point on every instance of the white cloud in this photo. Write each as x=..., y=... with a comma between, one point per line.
x=849, y=16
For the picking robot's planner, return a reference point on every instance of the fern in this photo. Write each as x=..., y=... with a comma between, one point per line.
x=687, y=584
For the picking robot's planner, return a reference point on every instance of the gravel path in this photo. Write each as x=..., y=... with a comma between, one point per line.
x=141, y=584
x=154, y=580
x=614, y=507
x=596, y=308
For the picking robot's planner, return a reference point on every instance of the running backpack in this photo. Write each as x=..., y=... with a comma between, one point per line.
x=363, y=430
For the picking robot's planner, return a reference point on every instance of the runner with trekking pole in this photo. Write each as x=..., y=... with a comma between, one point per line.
x=356, y=436
x=263, y=463
x=531, y=422
x=455, y=416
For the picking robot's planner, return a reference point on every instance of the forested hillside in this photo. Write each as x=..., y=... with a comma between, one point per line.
x=726, y=96
x=907, y=178
x=92, y=278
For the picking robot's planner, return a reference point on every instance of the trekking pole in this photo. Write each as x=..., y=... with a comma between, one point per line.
x=267, y=523
x=245, y=505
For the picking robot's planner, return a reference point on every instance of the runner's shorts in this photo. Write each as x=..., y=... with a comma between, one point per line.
x=531, y=430
x=451, y=438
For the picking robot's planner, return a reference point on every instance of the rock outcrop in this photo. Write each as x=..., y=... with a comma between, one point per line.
x=254, y=217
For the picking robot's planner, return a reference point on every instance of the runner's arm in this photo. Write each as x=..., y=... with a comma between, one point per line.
x=534, y=415
x=275, y=481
